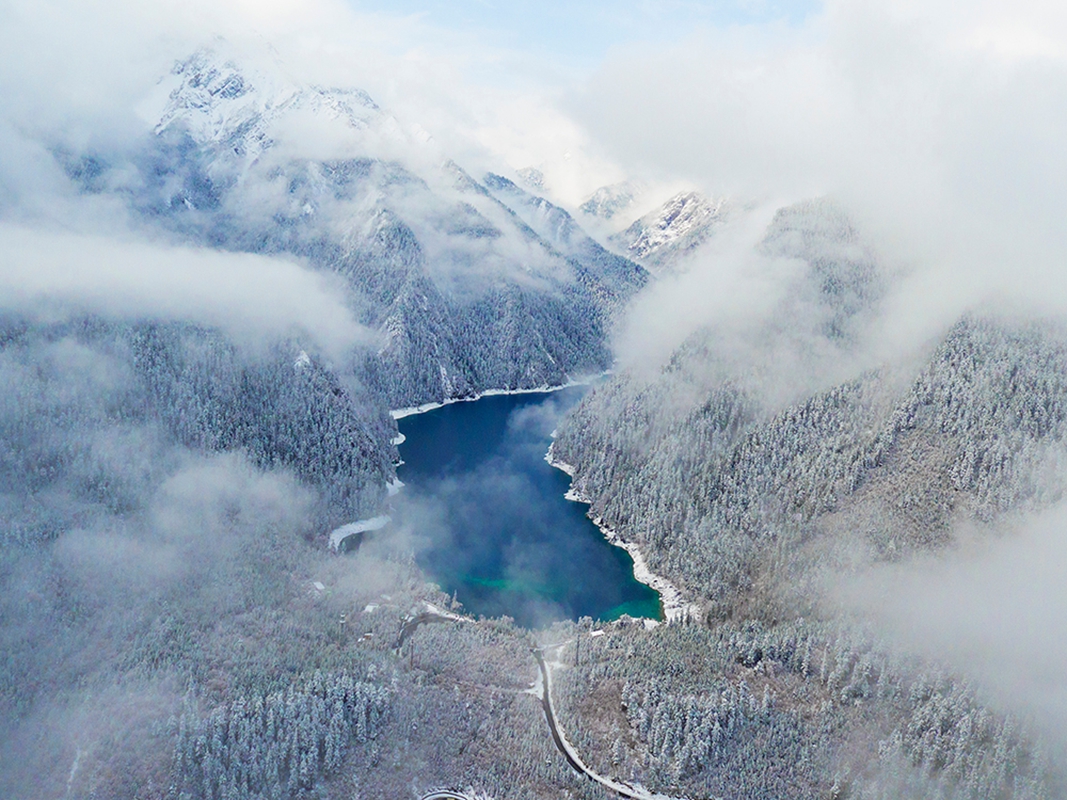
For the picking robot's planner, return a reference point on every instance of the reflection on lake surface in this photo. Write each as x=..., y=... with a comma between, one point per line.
x=497, y=529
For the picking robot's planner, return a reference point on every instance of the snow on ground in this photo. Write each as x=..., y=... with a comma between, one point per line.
x=362, y=526
x=445, y=614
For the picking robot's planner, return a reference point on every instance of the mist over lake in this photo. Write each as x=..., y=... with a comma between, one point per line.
x=501, y=534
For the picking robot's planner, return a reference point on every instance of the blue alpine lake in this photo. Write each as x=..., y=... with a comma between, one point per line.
x=491, y=520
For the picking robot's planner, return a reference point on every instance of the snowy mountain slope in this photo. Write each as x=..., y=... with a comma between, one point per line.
x=715, y=468
x=558, y=228
x=675, y=447
x=661, y=238
x=465, y=294
x=217, y=101
x=866, y=470
x=609, y=201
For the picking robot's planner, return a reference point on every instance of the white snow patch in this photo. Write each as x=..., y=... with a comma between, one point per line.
x=251, y=108
x=303, y=361
x=399, y=439
x=370, y=608
x=74, y=769
x=394, y=486
x=352, y=528
x=445, y=614
x=537, y=688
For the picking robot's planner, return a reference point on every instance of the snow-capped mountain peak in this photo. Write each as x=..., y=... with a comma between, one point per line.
x=608, y=201
x=220, y=102
x=665, y=235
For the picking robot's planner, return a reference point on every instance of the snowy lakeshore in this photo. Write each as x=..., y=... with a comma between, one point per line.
x=675, y=607
x=400, y=413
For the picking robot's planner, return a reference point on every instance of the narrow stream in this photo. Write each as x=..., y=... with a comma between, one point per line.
x=494, y=526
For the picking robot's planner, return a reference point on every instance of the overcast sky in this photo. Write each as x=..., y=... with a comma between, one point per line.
x=582, y=33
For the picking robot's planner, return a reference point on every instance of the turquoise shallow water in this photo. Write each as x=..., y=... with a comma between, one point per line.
x=492, y=522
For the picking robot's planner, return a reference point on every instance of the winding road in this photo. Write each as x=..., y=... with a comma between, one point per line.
x=567, y=749
x=435, y=614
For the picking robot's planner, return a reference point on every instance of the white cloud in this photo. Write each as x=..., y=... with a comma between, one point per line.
x=992, y=609
x=729, y=285
x=939, y=124
x=78, y=72
x=53, y=274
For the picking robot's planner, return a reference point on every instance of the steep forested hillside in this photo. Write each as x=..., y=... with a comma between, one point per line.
x=750, y=499
x=722, y=485
x=94, y=409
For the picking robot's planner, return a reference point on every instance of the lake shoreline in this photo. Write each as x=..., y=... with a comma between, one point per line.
x=675, y=607
x=639, y=592
x=400, y=413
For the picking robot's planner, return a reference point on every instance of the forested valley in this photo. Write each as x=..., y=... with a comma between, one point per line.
x=176, y=623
